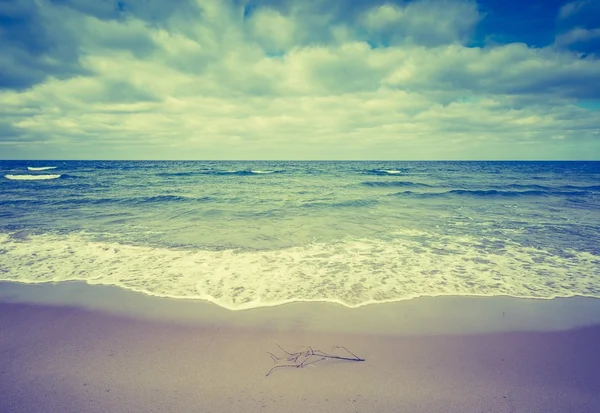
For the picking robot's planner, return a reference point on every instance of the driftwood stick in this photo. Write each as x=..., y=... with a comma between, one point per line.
x=329, y=356
x=281, y=348
x=304, y=363
x=284, y=365
x=304, y=358
x=355, y=356
x=274, y=357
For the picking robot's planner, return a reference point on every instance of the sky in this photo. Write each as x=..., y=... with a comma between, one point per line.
x=299, y=79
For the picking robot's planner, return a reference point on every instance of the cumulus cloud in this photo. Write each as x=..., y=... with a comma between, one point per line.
x=578, y=26
x=586, y=41
x=33, y=46
x=275, y=32
x=577, y=35
x=573, y=8
x=425, y=22
x=245, y=79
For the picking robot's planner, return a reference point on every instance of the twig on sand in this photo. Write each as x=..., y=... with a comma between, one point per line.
x=309, y=356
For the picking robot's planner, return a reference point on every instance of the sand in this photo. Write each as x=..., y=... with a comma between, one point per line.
x=123, y=352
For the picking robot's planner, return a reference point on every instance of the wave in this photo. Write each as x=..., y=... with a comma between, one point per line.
x=353, y=203
x=241, y=172
x=157, y=198
x=40, y=168
x=352, y=272
x=31, y=177
x=527, y=187
x=583, y=188
x=76, y=201
x=488, y=193
x=388, y=184
x=550, y=188
x=167, y=198
x=175, y=174
x=385, y=171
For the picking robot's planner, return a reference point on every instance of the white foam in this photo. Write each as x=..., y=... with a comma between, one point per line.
x=352, y=272
x=31, y=177
x=262, y=172
x=40, y=168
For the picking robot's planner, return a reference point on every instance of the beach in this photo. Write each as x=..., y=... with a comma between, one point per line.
x=140, y=286
x=72, y=347
x=296, y=206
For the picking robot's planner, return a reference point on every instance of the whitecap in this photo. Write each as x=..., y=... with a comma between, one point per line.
x=352, y=272
x=31, y=177
x=40, y=168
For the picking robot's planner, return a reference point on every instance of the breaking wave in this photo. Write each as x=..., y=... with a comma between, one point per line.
x=352, y=272
x=391, y=184
x=488, y=193
x=385, y=172
x=40, y=168
x=31, y=177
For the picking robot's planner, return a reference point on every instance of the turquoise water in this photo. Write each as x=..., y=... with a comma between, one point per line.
x=248, y=234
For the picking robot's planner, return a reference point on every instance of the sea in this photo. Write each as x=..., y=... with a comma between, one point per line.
x=247, y=234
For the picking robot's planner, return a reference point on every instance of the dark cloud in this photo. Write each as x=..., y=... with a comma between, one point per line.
x=566, y=83
x=154, y=12
x=532, y=22
x=424, y=22
x=9, y=132
x=101, y=9
x=37, y=42
x=342, y=11
x=323, y=72
x=116, y=37
x=33, y=47
x=573, y=81
x=122, y=92
x=47, y=38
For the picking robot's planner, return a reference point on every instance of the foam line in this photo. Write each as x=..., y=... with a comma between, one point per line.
x=40, y=168
x=31, y=177
x=351, y=272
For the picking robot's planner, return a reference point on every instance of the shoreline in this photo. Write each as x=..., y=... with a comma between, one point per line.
x=417, y=316
x=289, y=301
x=171, y=357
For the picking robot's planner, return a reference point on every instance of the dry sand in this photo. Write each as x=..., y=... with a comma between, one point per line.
x=57, y=358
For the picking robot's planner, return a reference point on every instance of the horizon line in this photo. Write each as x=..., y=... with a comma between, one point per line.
x=300, y=160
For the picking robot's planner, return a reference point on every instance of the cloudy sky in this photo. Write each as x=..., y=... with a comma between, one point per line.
x=299, y=79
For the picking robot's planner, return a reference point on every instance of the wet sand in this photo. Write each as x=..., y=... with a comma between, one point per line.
x=123, y=352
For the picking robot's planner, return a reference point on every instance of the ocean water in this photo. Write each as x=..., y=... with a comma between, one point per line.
x=250, y=234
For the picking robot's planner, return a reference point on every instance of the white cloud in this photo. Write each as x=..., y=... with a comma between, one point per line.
x=426, y=22
x=215, y=87
x=382, y=16
x=572, y=8
x=274, y=31
x=576, y=35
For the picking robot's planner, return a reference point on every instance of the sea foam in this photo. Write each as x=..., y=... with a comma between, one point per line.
x=40, y=168
x=31, y=177
x=352, y=272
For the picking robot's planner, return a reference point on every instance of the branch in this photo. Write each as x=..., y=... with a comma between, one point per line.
x=302, y=359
